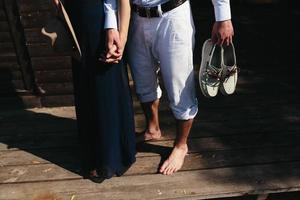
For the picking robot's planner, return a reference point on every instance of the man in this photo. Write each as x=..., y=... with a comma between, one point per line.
x=162, y=38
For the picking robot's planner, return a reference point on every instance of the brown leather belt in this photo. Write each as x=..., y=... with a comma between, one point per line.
x=150, y=12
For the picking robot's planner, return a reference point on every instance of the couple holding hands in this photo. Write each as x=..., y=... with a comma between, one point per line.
x=160, y=37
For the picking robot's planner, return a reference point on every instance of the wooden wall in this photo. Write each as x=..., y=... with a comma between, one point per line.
x=15, y=73
x=52, y=71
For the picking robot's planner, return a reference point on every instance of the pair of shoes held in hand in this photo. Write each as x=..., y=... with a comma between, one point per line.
x=218, y=70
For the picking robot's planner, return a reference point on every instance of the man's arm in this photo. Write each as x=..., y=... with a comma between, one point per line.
x=222, y=31
x=112, y=35
x=110, y=11
x=222, y=10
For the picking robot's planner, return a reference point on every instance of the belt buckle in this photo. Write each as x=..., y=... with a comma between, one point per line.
x=148, y=12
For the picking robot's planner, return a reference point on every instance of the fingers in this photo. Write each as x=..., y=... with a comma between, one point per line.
x=111, y=60
x=114, y=47
x=222, y=33
x=118, y=43
x=56, y=2
x=111, y=57
x=214, y=39
x=222, y=40
x=113, y=52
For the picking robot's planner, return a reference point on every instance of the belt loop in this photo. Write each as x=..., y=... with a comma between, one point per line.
x=159, y=10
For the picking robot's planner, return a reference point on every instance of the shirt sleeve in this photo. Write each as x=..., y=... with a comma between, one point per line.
x=110, y=11
x=222, y=9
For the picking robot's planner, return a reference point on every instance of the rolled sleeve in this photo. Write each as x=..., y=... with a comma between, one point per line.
x=110, y=10
x=222, y=10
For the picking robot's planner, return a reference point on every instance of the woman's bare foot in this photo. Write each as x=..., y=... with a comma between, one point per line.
x=175, y=160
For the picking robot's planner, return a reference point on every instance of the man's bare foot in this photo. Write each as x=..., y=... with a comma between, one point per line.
x=147, y=136
x=152, y=135
x=175, y=160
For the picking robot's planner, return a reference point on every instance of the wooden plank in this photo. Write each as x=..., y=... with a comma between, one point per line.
x=57, y=88
x=208, y=112
x=2, y=15
x=43, y=50
x=8, y=75
x=51, y=63
x=4, y=36
x=35, y=19
x=203, y=184
x=6, y=47
x=14, y=84
x=4, y=26
x=27, y=6
x=19, y=102
x=195, y=144
x=214, y=124
x=9, y=65
x=260, y=116
x=57, y=100
x=17, y=37
x=37, y=161
x=62, y=112
x=54, y=76
x=8, y=57
x=34, y=35
x=40, y=124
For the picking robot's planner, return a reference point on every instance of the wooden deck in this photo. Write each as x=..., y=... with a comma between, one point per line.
x=240, y=145
x=245, y=144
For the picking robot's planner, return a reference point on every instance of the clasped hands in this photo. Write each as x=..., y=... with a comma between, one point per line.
x=115, y=44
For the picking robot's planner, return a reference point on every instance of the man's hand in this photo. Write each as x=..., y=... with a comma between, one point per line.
x=113, y=44
x=222, y=32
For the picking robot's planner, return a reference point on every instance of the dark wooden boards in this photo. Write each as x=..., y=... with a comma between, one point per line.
x=52, y=70
x=147, y=163
x=203, y=184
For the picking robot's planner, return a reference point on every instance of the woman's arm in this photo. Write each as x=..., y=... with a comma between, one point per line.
x=124, y=18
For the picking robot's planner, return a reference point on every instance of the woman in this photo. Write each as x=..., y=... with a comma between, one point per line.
x=102, y=95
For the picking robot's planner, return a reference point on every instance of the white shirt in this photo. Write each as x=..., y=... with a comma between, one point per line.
x=221, y=8
x=110, y=11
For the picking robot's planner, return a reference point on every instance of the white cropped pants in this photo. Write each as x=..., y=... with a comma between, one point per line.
x=165, y=43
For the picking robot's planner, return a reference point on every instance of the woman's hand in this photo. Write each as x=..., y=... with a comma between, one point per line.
x=114, y=52
x=114, y=47
x=116, y=39
x=56, y=2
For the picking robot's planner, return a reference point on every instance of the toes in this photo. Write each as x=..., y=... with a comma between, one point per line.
x=164, y=166
x=171, y=171
x=176, y=170
x=168, y=170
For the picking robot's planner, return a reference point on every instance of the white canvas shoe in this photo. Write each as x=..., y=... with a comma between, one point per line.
x=229, y=70
x=210, y=70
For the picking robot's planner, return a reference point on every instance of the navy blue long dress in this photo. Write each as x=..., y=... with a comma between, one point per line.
x=102, y=96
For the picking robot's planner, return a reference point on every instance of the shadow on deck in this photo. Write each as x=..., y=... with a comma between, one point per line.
x=240, y=146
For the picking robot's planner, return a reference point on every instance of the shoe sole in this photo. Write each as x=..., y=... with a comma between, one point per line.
x=204, y=60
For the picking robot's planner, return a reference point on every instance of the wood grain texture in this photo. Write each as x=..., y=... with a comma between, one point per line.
x=203, y=184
